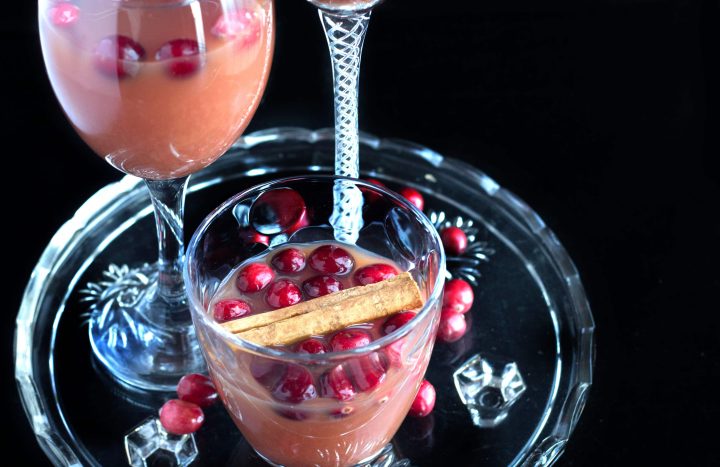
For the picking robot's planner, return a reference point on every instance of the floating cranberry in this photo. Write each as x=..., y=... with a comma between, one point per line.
x=366, y=372
x=198, y=389
x=336, y=384
x=232, y=308
x=374, y=273
x=64, y=15
x=295, y=386
x=118, y=56
x=349, y=339
x=241, y=24
x=312, y=346
x=180, y=417
x=331, y=259
x=183, y=55
x=424, y=400
x=282, y=293
x=414, y=196
x=266, y=372
x=458, y=295
x=454, y=240
x=289, y=260
x=321, y=285
x=452, y=326
x=396, y=321
x=277, y=210
x=254, y=277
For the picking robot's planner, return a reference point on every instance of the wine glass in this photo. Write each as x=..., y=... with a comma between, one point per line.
x=159, y=89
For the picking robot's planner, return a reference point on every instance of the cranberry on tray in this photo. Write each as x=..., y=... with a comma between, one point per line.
x=424, y=401
x=458, y=295
x=180, y=417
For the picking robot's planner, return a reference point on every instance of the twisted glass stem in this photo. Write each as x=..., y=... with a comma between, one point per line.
x=168, y=199
x=345, y=34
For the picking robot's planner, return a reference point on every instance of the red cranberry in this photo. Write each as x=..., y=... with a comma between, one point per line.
x=289, y=260
x=331, y=259
x=454, y=240
x=277, y=210
x=64, y=15
x=349, y=339
x=366, y=372
x=312, y=346
x=266, y=372
x=414, y=197
x=198, y=389
x=321, y=285
x=424, y=400
x=282, y=293
x=183, y=55
x=251, y=236
x=242, y=24
x=254, y=277
x=335, y=383
x=374, y=273
x=230, y=309
x=295, y=386
x=180, y=417
x=118, y=56
x=452, y=326
x=458, y=295
x=396, y=321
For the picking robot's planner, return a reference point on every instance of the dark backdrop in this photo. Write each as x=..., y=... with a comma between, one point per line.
x=602, y=115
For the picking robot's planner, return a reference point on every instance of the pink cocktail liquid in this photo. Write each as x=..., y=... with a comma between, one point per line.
x=325, y=413
x=190, y=77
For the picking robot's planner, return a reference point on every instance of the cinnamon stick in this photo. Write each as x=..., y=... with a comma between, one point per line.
x=329, y=313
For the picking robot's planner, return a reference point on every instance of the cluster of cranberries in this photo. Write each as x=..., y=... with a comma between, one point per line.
x=184, y=415
x=277, y=281
x=119, y=56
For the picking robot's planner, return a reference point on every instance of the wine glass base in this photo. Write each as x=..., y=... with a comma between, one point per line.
x=140, y=338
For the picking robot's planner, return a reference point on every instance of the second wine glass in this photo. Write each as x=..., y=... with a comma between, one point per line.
x=159, y=89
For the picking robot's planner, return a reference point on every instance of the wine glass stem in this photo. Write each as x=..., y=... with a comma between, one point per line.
x=345, y=34
x=168, y=199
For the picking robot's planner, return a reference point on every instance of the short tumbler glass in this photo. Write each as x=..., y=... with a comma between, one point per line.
x=321, y=431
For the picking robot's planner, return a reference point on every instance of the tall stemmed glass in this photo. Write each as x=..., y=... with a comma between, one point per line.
x=345, y=23
x=159, y=89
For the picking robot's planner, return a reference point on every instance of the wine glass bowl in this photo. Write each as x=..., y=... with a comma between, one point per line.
x=338, y=408
x=159, y=89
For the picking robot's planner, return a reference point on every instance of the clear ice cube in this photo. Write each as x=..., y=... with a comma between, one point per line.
x=150, y=438
x=488, y=386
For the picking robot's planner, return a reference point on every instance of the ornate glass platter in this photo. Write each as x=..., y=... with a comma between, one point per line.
x=509, y=392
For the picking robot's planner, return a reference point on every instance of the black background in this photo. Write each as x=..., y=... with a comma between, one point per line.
x=602, y=115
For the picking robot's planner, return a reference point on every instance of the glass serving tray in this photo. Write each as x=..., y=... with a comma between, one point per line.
x=510, y=391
